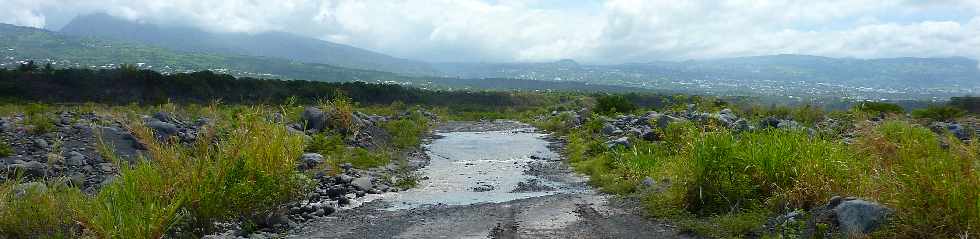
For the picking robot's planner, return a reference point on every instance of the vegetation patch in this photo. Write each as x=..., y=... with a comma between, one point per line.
x=724, y=183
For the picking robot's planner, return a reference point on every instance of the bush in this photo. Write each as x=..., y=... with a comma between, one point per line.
x=939, y=113
x=407, y=132
x=247, y=174
x=336, y=152
x=878, y=108
x=341, y=111
x=612, y=104
x=5, y=149
x=38, y=118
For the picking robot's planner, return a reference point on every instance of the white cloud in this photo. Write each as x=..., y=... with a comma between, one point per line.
x=543, y=30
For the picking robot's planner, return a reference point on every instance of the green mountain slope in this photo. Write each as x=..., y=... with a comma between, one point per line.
x=268, y=44
x=20, y=43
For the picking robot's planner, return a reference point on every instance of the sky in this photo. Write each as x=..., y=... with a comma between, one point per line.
x=593, y=31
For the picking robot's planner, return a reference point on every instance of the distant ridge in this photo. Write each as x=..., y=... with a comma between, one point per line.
x=268, y=44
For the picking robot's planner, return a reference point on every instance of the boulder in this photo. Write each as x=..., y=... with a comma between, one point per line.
x=622, y=141
x=310, y=160
x=769, y=122
x=956, y=129
x=665, y=120
x=162, y=129
x=788, y=124
x=125, y=144
x=646, y=133
x=344, y=178
x=163, y=116
x=363, y=183
x=203, y=121
x=742, y=125
x=609, y=129
x=29, y=169
x=41, y=143
x=857, y=217
x=314, y=118
x=75, y=159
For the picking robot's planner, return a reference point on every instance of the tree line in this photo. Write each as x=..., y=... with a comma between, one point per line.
x=126, y=85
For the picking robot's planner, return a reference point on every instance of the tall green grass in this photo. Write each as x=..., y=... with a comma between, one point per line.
x=39, y=210
x=241, y=169
x=720, y=183
x=935, y=189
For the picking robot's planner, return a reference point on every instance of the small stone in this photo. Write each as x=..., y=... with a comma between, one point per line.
x=41, y=143
x=648, y=182
x=344, y=178
x=483, y=188
x=610, y=129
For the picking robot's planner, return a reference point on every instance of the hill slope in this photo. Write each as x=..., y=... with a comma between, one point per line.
x=18, y=44
x=269, y=44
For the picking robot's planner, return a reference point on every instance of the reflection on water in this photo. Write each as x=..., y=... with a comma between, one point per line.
x=462, y=161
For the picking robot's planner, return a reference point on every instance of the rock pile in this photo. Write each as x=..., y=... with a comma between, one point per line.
x=365, y=130
x=70, y=150
x=165, y=126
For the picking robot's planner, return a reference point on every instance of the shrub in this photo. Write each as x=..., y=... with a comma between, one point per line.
x=878, y=108
x=341, y=111
x=939, y=113
x=37, y=117
x=560, y=123
x=336, y=152
x=363, y=158
x=407, y=132
x=247, y=174
x=612, y=104
x=5, y=149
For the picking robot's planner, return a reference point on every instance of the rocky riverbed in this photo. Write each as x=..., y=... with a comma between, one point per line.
x=493, y=179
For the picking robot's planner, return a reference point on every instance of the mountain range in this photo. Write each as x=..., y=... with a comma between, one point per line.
x=267, y=44
x=100, y=40
x=19, y=44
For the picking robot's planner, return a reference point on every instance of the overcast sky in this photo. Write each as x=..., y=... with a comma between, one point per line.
x=594, y=31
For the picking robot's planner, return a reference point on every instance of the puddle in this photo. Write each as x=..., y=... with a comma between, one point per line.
x=478, y=167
